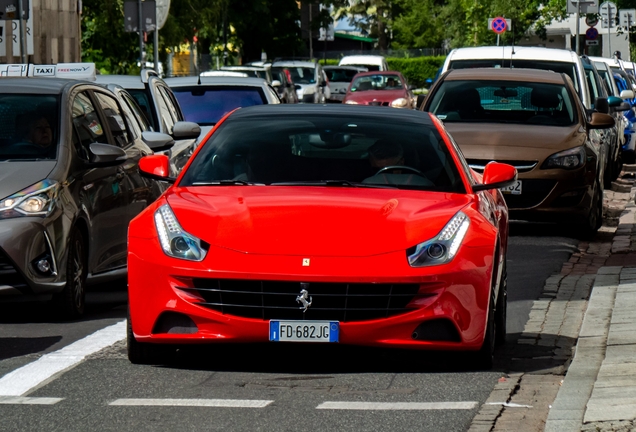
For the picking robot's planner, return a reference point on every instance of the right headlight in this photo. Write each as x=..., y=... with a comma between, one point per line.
x=36, y=200
x=442, y=248
x=567, y=159
x=175, y=242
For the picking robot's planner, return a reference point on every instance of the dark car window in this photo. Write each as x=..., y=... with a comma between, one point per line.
x=29, y=126
x=166, y=117
x=207, y=105
x=115, y=118
x=503, y=102
x=141, y=97
x=87, y=127
x=309, y=148
x=376, y=82
x=567, y=68
x=144, y=124
x=607, y=77
x=302, y=75
x=340, y=75
x=171, y=103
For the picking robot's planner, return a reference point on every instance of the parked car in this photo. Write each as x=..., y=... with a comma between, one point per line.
x=371, y=62
x=287, y=88
x=69, y=186
x=311, y=85
x=205, y=100
x=339, y=79
x=534, y=121
x=162, y=111
x=380, y=88
x=252, y=71
x=265, y=237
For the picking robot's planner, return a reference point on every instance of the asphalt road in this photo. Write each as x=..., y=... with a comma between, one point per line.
x=269, y=387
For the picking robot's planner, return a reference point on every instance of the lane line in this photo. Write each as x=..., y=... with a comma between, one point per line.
x=18, y=400
x=219, y=403
x=392, y=406
x=50, y=366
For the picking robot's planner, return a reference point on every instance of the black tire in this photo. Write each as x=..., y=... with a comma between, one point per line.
x=483, y=359
x=501, y=309
x=139, y=352
x=590, y=225
x=72, y=300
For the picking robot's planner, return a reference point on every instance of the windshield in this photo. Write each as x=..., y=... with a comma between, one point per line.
x=567, y=68
x=29, y=126
x=376, y=82
x=303, y=75
x=207, y=105
x=503, y=102
x=319, y=150
x=370, y=68
x=340, y=75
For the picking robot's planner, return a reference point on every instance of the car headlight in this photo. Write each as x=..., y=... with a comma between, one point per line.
x=36, y=200
x=568, y=159
x=351, y=102
x=400, y=103
x=443, y=247
x=175, y=242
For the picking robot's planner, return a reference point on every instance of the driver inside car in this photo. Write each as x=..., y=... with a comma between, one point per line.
x=388, y=158
x=36, y=134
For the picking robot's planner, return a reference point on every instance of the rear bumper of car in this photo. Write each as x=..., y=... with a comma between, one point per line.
x=163, y=295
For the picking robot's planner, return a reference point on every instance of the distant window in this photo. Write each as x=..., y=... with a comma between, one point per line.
x=87, y=126
x=145, y=104
x=116, y=120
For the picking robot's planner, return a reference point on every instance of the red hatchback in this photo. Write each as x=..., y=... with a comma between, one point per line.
x=380, y=88
x=321, y=224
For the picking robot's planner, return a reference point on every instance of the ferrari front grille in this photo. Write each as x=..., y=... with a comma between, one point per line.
x=329, y=300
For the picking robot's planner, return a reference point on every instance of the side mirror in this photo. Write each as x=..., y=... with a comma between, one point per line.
x=186, y=130
x=276, y=83
x=104, y=155
x=157, y=141
x=623, y=107
x=600, y=121
x=601, y=105
x=496, y=175
x=420, y=100
x=156, y=167
x=627, y=94
x=323, y=83
x=614, y=101
x=297, y=87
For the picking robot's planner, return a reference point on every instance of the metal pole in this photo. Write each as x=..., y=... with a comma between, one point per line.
x=629, y=43
x=23, y=54
x=578, y=27
x=311, y=35
x=609, y=29
x=156, y=50
x=497, y=39
x=141, y=37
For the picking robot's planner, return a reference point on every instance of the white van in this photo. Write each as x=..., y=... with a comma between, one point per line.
x=371, y=62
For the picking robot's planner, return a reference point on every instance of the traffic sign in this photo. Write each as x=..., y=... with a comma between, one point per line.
x=148, y=15
x=608, y=14
x=591, y=33
x=163, y=8
x=591, y=42
x=627, y=17
x=499, y=25
x=591, y=20
x=583, y=6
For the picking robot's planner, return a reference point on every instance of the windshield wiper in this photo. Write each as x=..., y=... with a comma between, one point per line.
x=226, y=183
x=335, y=183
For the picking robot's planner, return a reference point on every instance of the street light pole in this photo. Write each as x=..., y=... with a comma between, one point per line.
x=23, y=54
x=141, y=36
x=578, y=27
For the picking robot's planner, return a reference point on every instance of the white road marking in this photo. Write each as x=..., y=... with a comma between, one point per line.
x=18, y=400
x=398, y=405
x=219, y=403
x=48, y=367
x=509, y=404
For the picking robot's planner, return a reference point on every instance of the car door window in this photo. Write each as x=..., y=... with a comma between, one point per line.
x=172, y=103
x=87, y=127
x=129, y=103
x=116, y=120
x=167, y=118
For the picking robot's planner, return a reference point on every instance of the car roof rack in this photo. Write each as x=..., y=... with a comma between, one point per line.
x=79, y=71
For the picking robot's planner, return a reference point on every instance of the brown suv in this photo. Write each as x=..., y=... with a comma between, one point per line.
x=535, y=121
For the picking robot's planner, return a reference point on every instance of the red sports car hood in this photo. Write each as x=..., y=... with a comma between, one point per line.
x=376, y=95
x=313, y=221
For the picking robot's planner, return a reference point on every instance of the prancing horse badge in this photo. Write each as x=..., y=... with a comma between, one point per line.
x=306, y=262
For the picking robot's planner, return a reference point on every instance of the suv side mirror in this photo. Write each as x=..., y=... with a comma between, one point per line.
x=157, y=141
x=601, y=105
x=186, y=130
x=623, y=107
x=156, y=167
x=104, y=155
x=275, y=83
x=614, y=101
x=600, y=121
x=627, y=94
x=497, y=175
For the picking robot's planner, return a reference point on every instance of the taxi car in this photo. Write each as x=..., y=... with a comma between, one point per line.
x=69, y=182
x=533, y=120
x=326, y=224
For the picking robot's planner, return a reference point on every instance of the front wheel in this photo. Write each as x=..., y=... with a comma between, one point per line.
x=501, y=309
x=483, y=359
x=72, y=300
x=590, y=225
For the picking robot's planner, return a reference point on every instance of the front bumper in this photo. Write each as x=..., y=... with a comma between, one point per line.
x=456, y=294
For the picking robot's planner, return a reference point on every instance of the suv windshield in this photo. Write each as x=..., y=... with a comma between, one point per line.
x=326, y=150
x=503, y=102
x=302, y=75
x=340, y=75
x=207, y=105
x=376, y=82
x=29, y=126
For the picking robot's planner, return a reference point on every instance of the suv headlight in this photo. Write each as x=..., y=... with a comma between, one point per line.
x=36, y=200
x=400, y=103
x=568, y=159
x=443, y=247
x=175, y=242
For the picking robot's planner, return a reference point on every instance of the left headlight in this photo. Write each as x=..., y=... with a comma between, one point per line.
x=36, y=200
x=400, y=103
x=443, y=247
x=175, y=242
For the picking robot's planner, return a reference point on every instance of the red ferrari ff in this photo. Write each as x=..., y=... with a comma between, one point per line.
x=322, y=224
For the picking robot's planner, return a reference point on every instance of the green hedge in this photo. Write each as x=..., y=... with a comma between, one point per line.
x=416, y=69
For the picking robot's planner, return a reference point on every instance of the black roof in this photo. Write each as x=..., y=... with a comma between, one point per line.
x=19, y=85
x=376, y=112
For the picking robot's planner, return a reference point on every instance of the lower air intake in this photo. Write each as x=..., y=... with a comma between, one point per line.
x=440, y=330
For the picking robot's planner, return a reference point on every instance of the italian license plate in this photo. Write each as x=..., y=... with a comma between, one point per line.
x=514, y=189
x=304, y=331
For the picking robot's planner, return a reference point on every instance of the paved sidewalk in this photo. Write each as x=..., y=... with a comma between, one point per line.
x=598, y=392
